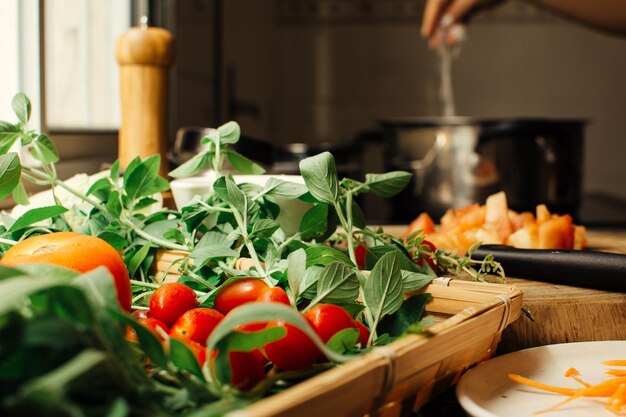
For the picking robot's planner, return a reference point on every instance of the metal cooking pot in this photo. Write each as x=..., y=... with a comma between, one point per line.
x=459, y=161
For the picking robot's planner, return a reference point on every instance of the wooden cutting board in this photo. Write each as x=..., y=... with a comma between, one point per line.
x=562, y=313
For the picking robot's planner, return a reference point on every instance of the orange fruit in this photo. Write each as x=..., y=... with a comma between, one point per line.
x=76, y=251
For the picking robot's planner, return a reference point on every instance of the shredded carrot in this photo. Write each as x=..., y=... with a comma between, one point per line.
x=616, y=372
x=573, y=373
x=614, y=389
x=618, y=362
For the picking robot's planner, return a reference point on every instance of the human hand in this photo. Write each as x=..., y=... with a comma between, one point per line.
x=443, y=19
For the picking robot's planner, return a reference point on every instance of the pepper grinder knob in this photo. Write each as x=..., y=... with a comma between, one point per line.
x=144, y=55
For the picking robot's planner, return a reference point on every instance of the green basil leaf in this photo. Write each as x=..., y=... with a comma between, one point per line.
x=145, y=202
x=414, y=281
x=314, y=223
x=175, y=235
x=21, y=107
x=114, y=205
x=242, y=164
x=13, y=291
x=10, y=173
x=137, y=259
x=113, y=239
x=101, y=184
x=201, y=255
x=388, y=184
x=285, y=190
x=296, y=267
x=9, y=133
x=308, y=286
x=383, y=289
x=227, y=191
x=140, y=175
x=98, y=285
x=320, y=176
x=45, y=151
x=344, y=340
x=183, y=358
x=263, y=228
x=411, y=312
x=337, y=284
x=374, y=253
x=35, y=215
x=19, y=194
x=229, y=132
x=325, y=255
x=115, y=171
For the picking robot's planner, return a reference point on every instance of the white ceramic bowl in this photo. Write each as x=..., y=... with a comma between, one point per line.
x=186, y=190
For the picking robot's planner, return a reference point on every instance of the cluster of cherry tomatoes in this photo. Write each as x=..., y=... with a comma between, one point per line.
x=174, y=311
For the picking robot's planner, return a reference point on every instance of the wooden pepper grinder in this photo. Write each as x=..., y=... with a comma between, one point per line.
x=144, y=55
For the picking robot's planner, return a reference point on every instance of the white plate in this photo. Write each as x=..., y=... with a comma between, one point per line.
x=486, y=390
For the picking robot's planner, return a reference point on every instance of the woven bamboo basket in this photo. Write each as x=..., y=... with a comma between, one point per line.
x=393, y=380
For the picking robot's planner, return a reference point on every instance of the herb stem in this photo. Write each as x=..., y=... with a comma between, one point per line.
x=347, y=225
x=153, y=239
x=243, y=228
x=7, y=241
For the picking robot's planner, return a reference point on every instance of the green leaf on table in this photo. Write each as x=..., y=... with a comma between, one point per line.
x=191, y=167
x=9, y=134
x=242, y=164
x=114, y=205
x=117, y=241
x=98, y=285
x=140, y=179
x=320, y=176
x=382, y=292
x=145, y=202
x=337, y=284
x=308, y=286
x=414, y=281
x=44, y=149
x=10, y=173
x=175, y=235
x=99, y=185
x=263, y=228
x=374, y=253
x=325, y=255
x=410, y=312
x=19, y=194
x=201, y=255
x=229, y=132
x=183, y=358
x=388, y=184
x=35, y=215
x=137, y=258
x=21, y=107
x=285, y=190
x=228, y=192
x=344, y=340
x=296, y=268
x=314, y=223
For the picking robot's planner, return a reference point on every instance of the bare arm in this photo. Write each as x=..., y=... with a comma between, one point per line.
x=607, y=15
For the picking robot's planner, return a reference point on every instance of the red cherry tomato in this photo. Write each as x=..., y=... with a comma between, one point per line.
x=170, y=301
x=274, y=295
x=364, y=333
x=294, y=351
x=359, y=253
x=328, y=319
x=248, y=369
x=150, y=324
x=196, y=324
x=239, y=292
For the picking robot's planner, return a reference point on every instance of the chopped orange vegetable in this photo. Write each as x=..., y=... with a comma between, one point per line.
x=615, y=363
x=613, y=388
